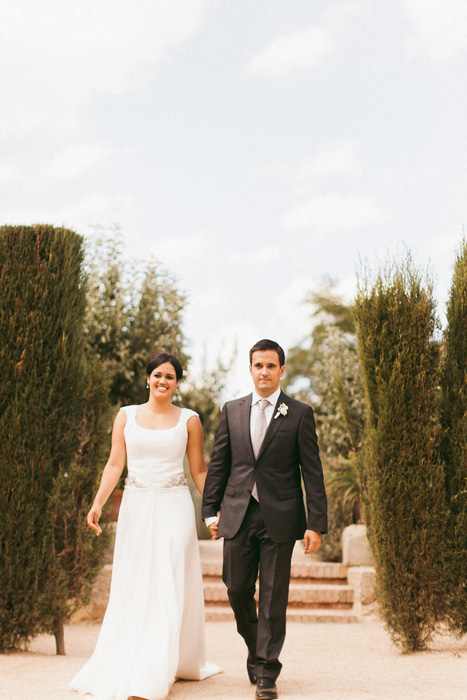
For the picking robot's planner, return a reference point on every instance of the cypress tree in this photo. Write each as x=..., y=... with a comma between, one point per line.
x=43, y=380
x=404, y=494
x=454, y=443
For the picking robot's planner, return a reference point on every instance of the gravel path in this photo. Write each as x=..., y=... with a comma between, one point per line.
x=321, y=662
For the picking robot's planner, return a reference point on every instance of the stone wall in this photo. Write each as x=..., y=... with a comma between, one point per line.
x=358, y=558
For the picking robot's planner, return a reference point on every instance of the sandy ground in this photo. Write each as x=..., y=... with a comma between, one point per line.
x=321, y=662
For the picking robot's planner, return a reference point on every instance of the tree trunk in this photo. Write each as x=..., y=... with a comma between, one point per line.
x=59, y=634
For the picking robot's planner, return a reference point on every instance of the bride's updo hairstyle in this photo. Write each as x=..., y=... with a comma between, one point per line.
x=159, y=358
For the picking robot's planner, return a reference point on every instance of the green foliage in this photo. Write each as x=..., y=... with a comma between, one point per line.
x=204, y=397
x=133, y=310
x=330, y=312
x=324, y=371
x=43, y=375
x=81, y=555
x=454, y=443
x=404, y=480
x=343, y=481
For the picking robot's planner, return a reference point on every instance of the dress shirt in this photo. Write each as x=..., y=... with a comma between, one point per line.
x=268, y=411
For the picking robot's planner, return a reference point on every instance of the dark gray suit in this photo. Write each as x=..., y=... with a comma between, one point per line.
x=264, y=534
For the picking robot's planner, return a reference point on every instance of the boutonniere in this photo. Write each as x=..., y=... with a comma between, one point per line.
x=282, y=410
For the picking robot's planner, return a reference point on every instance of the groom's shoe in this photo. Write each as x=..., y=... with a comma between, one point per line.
x=250, y=667
x=266, y=689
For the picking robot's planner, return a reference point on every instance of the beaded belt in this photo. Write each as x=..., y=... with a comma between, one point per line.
x=137, y=482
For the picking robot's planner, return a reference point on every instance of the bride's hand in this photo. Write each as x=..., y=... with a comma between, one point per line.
x=213, y=529
x=93, y=519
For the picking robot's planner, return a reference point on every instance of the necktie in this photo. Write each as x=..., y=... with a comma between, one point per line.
x=259, y=431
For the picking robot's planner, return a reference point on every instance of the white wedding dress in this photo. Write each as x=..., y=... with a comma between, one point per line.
x=153, y=630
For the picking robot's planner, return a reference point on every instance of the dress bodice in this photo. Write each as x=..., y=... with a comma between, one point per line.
x=155, y=457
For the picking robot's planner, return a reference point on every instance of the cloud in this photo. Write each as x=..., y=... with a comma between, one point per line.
x=292, y=313
x=291, y=52
x=57, y=57
x=305, y=48
x=79, y=215
x=439, y=28
x=444, y=247
x=177, y=251
x=36, y=174
x=257, y=258
x=78, y=158
x=334, y=159
x=327, y=215
x=10, y=173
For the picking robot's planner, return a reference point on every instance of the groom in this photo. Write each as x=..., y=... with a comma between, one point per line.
x=265, y=444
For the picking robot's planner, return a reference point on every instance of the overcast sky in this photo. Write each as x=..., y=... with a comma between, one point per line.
x=253, y=146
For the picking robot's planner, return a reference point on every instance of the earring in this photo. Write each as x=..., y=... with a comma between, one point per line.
x=147, y=385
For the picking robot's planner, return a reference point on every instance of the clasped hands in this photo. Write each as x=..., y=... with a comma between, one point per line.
x=311, y=539
x=214, y=528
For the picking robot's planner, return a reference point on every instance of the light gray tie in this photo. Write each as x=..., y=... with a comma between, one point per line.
x=259, y=431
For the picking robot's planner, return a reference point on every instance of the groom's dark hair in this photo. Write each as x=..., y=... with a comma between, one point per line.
x=266, y=344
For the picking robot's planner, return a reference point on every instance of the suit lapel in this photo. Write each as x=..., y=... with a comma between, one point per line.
x=273, y=425
x=244, y=419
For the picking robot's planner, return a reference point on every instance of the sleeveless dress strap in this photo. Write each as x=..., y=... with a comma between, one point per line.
x=130, y=412
x=186, y=414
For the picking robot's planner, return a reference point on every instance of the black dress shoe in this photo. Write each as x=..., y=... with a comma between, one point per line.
x=266, y=689
x=250, y=667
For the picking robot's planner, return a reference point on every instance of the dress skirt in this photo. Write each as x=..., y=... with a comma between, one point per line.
x=153, y=630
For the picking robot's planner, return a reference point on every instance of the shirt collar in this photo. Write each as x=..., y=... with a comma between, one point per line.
x=273, y=398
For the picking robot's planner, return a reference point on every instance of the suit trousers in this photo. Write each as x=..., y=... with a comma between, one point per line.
x=250, y=549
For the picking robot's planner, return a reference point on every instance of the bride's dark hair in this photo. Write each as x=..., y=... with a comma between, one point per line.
x=159, y=358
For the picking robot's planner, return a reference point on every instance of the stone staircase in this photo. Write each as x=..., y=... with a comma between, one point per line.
x=319, y=591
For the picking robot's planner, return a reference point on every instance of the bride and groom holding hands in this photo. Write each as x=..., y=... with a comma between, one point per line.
x=265, y=449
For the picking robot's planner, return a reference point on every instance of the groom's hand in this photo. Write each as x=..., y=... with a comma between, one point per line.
x=213, y=529
x=311, y=541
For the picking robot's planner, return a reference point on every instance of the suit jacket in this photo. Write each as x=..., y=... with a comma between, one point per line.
x=288, y=453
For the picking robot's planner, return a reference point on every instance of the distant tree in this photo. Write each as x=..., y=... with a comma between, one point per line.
x=324, y=372
x=133, y=310
x=329, y=312
x=405, y=506
x=44, y=379
x=454, y=443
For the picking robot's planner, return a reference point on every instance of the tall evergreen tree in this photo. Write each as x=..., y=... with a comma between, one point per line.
x=42, y=403
x=405, y=505
x=454, y=443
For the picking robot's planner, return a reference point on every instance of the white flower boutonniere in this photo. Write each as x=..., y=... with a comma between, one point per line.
x=282, y=410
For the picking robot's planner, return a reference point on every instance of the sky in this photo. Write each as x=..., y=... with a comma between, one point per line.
x=254, y=147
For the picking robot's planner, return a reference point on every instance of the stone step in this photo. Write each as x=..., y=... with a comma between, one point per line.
x=223, y=613
x=332, y=572
x=300, y=594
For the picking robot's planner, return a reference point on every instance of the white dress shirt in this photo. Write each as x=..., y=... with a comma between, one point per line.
x=268, y=411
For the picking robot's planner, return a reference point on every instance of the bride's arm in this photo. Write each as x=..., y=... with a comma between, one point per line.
x=194, y=452
x=112, y=472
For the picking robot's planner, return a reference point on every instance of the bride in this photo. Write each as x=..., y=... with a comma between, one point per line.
x=153, y=630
